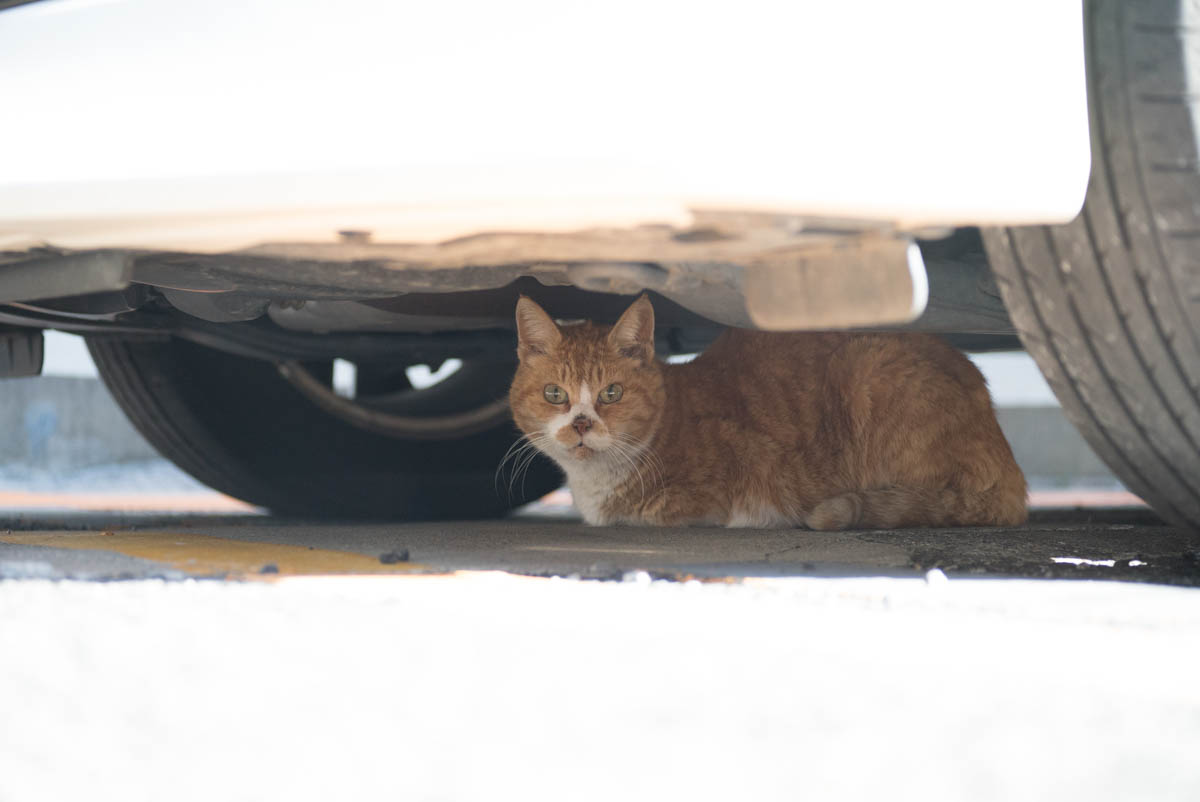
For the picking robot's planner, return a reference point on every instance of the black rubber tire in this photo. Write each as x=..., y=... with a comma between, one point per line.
x=238, y=426
x=1109, y=305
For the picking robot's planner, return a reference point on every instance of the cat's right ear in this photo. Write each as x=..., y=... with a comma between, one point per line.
x=537, y=333
x=633, y=335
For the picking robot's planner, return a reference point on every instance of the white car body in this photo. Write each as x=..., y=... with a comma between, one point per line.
x=221, y=125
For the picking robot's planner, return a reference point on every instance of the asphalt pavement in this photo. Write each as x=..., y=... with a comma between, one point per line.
x=1125, y=544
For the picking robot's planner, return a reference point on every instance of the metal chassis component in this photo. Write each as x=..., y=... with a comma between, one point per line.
x=423, y=427
x=231, y=288
x=21, y=353
x=261, y=340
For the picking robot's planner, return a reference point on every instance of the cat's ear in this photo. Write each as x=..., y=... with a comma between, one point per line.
x=537, y=333
x=633, y=334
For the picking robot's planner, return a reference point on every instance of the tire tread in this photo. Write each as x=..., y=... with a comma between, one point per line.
x=237, y=426
x=1104, y=303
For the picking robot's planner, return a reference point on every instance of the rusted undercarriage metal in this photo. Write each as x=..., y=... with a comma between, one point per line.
x=705, y=268
x=730, y=269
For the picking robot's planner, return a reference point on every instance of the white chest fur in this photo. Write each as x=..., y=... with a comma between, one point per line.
x=592, y=487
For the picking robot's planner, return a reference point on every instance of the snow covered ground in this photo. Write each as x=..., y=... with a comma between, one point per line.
x=489, y=686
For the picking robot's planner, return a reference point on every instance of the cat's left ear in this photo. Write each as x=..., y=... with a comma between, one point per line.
x=537, y=333
x=633, y=334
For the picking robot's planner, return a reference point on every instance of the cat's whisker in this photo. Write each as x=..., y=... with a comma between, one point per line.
x=519, y=445
x=622, y=451
x=511, y=462
x=516, y=448
x=616, y=450
x=621, y=448
x=645, y=456
x=523, y=466
x=518, y=458
x=520, y=454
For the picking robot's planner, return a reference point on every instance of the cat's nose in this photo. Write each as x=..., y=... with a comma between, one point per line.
x=581, y=424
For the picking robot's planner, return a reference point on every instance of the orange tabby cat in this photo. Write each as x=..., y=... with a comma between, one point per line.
x=825, y=430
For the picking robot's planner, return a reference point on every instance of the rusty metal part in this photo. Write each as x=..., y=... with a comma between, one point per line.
x=727, y=269
x=52, y=273
x=217, y=307
x=870, y=282
x=325, y=316
x=414, y=427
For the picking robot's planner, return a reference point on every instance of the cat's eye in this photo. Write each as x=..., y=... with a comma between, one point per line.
x=611, y=394
x=555, y=394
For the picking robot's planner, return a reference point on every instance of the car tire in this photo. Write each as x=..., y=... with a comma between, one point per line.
x=1109, y=304
x=238, y=426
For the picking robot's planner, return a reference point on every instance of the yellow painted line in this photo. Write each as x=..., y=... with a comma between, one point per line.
x=205, y=555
